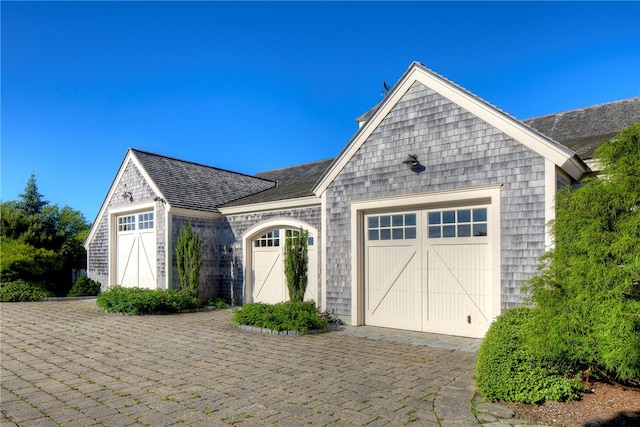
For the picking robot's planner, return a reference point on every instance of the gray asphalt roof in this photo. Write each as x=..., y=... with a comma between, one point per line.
x=293, y=182
x=194, y=186
x=584, y=129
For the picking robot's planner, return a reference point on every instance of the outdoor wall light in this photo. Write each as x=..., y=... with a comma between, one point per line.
x=158, y=199
x=127, y=195
x=412, y=162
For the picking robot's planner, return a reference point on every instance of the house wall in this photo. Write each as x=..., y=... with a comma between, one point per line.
x=98, y=248
x=237, y=225
x=210, y=231
x=458, y=151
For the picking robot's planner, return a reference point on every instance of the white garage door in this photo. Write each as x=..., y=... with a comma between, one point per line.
x=268, y=281
x=136, y=248
x=429, y=270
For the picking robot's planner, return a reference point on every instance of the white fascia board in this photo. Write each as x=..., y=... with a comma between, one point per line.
x=129, y=157
x=193, y=213
x=561, y=156
x=300, y=202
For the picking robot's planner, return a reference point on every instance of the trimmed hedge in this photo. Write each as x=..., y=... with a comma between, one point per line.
x=21, y=291
x=145, y=301
x=285, y=316
x=507, y=371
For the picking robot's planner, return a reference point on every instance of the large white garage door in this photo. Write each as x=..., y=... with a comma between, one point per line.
x=136, y=248
x=268, y=281
x=429, y=270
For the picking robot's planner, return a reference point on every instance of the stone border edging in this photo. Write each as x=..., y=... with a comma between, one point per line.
x=261, y=330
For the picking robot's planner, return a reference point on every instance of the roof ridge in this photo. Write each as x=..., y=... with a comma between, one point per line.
x=135, y=150
x=588, y=107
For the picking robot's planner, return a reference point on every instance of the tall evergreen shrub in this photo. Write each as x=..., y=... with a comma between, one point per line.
x=296, y=264
x=189, y=256
x=587, y=296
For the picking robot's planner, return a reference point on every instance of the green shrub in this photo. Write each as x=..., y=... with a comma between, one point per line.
x=189, y=250
x=507, y=371
x=219, y=303
x=296, y=263
x=285, y=316
x=145, y=301
x=587, y=295
x=84, y=287
x=21, y=291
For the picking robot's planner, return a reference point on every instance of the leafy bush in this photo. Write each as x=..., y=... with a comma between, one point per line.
x=587, y=296
x=219, y=303
x=145, y=301
x=23, y=262
x=21, y=291
x=84, y=287
x=285, y=316
x=507, y=371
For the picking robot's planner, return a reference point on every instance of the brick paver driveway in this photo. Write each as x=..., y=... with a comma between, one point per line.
x=69, y=363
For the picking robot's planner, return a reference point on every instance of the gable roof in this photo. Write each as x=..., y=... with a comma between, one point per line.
x=546, y=147
x=584, y=129
x=194, y=186
x=292, y=182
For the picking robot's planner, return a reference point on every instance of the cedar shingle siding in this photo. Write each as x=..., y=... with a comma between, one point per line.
x=458, y=150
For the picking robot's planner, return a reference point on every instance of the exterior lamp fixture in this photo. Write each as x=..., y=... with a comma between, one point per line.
x=127, y=195
x=412, y=162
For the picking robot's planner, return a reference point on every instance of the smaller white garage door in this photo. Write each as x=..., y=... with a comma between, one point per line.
x=429, y=270
x=267, y=268
x=136, y=249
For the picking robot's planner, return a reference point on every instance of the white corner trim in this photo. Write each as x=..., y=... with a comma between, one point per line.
x=299, y=202
x=322, y=250
x=549, y=201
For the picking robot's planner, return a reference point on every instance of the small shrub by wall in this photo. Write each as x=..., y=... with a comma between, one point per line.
x=84, y=287
x=507, y=371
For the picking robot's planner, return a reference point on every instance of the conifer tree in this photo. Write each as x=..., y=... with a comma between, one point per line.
x=31, y=200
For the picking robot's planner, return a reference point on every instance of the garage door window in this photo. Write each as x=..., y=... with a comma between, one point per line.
x=458, y=223
x=143, y=221
x=127, y=223
x=392, y=227
x=270, y=239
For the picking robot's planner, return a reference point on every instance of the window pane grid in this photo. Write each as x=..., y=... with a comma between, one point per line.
x=127, y=223
x=269, y=239
x=392, y=227
x=457, y=223
x=145, y=221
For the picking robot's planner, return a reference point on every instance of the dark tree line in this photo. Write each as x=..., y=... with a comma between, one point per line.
x=41, y=242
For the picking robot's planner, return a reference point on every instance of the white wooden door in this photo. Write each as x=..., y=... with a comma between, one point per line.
x=267, y=268
x=136, y=251
x=429, y=270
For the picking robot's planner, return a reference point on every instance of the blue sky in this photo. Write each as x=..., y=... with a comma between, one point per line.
x=256, y=86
